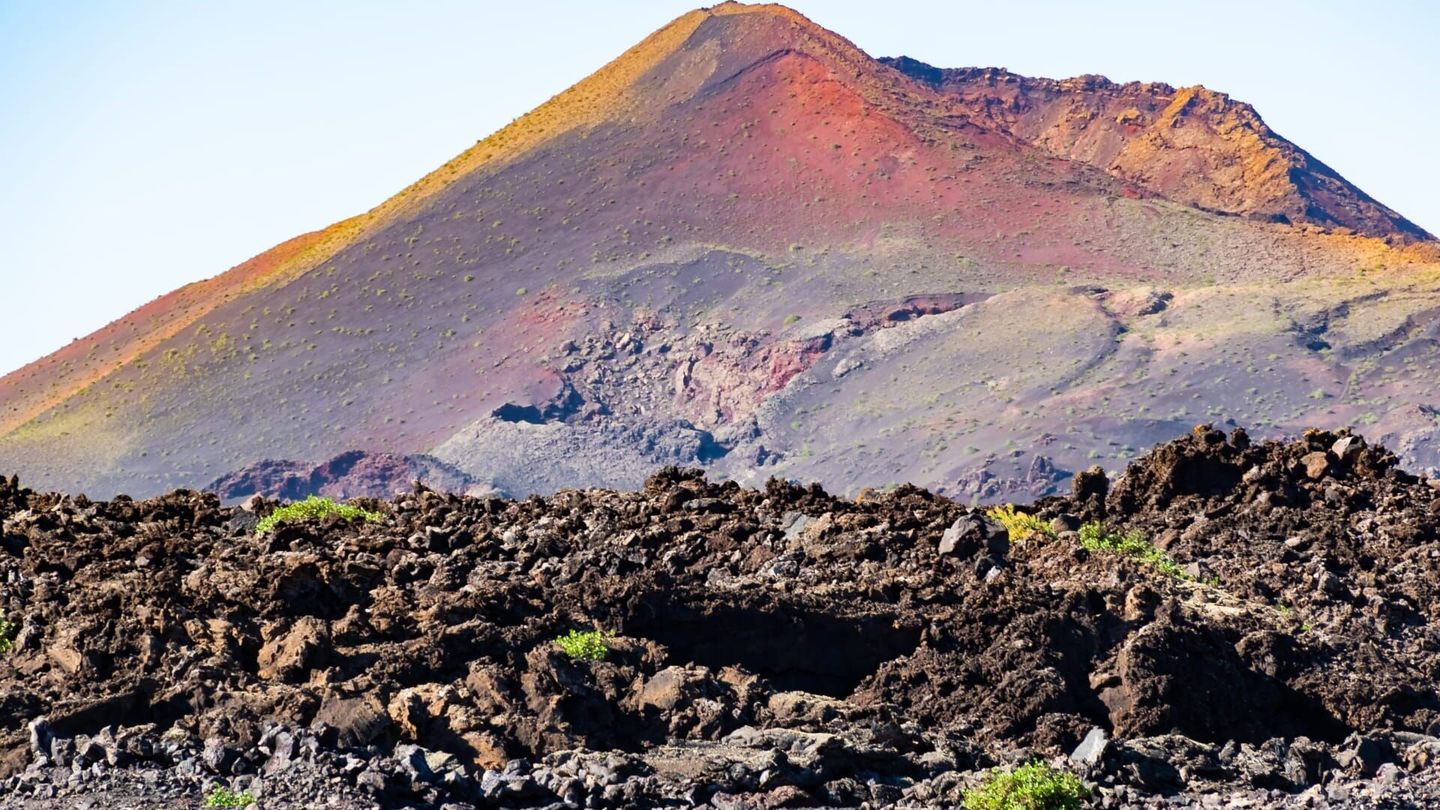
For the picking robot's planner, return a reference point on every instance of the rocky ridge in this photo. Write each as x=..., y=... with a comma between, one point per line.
x=348, y=475
x=1192, y=145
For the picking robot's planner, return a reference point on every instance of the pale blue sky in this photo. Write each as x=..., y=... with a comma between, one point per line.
x=148, y=143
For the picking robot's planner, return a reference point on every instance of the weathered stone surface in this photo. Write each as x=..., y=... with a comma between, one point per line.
x=1316, y=465
x=291, y=654
x=873, y=656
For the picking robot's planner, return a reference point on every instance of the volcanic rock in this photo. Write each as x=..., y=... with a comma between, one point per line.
x=884, y=665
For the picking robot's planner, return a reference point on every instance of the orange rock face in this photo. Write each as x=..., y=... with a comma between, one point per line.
x=1191, y=145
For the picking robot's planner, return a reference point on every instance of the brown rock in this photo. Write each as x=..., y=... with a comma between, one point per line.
x=357, y=721
x=290, y=656
x=1090, y=489
x=1316, y=465
x=217, y=636
x=490, y=689
x=487, y=749
x=803, y=709
x=665, y=690
x=414, y=708
x=408, y=712
x=66, y=652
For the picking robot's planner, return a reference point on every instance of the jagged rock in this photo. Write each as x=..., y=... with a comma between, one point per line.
x=289, y=656
x=969, y=534
x=1091, y=750
x=1362, y=756
x=1089, y=490
x=1347, y=448
x=1316, y=465
x=357, y=721
x=41, y=737
x=217, y=756
x=870, y=656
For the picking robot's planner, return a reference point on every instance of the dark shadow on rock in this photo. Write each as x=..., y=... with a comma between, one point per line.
x=796, y=649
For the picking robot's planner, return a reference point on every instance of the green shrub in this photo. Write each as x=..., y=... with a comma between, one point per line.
x=313, y=507
x=1033, y=786
x=1019, y=525
x=1095, y=537
x=586, y=645
x=8, y=630
x=225, y=797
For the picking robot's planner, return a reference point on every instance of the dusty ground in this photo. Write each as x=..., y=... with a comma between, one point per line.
x=772, y=647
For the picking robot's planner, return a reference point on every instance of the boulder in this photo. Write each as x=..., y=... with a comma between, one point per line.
x=968, y=535
x=291, y=655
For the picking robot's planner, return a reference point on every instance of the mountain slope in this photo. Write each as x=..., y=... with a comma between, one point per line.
x=1191, y=145
x=747, y=244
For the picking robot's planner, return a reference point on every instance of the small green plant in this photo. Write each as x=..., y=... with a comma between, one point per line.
x=1095, y=537
x=1035, y=785
x=225, y=797
x=8, y=631
x=313, y=507
x=584, y=645
x=1019, y=525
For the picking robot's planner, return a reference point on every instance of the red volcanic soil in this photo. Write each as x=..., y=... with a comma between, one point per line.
x=348, y=475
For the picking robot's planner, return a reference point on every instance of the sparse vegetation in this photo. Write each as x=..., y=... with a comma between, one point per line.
x=310, y=508
x=1035, y=785
x=8, y=630
x=225, y=797
x=584, y=645
x=1095, y=537
x=1019, y=525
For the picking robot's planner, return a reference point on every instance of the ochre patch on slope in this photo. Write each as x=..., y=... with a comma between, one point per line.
x=49, y=381
x=44, y=384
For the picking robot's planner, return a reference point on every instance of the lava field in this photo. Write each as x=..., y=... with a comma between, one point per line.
x=1269, y=633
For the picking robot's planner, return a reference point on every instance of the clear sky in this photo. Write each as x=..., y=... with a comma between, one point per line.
x=145, y=144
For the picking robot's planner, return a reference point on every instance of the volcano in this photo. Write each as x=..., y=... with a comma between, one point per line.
x=749, y=246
